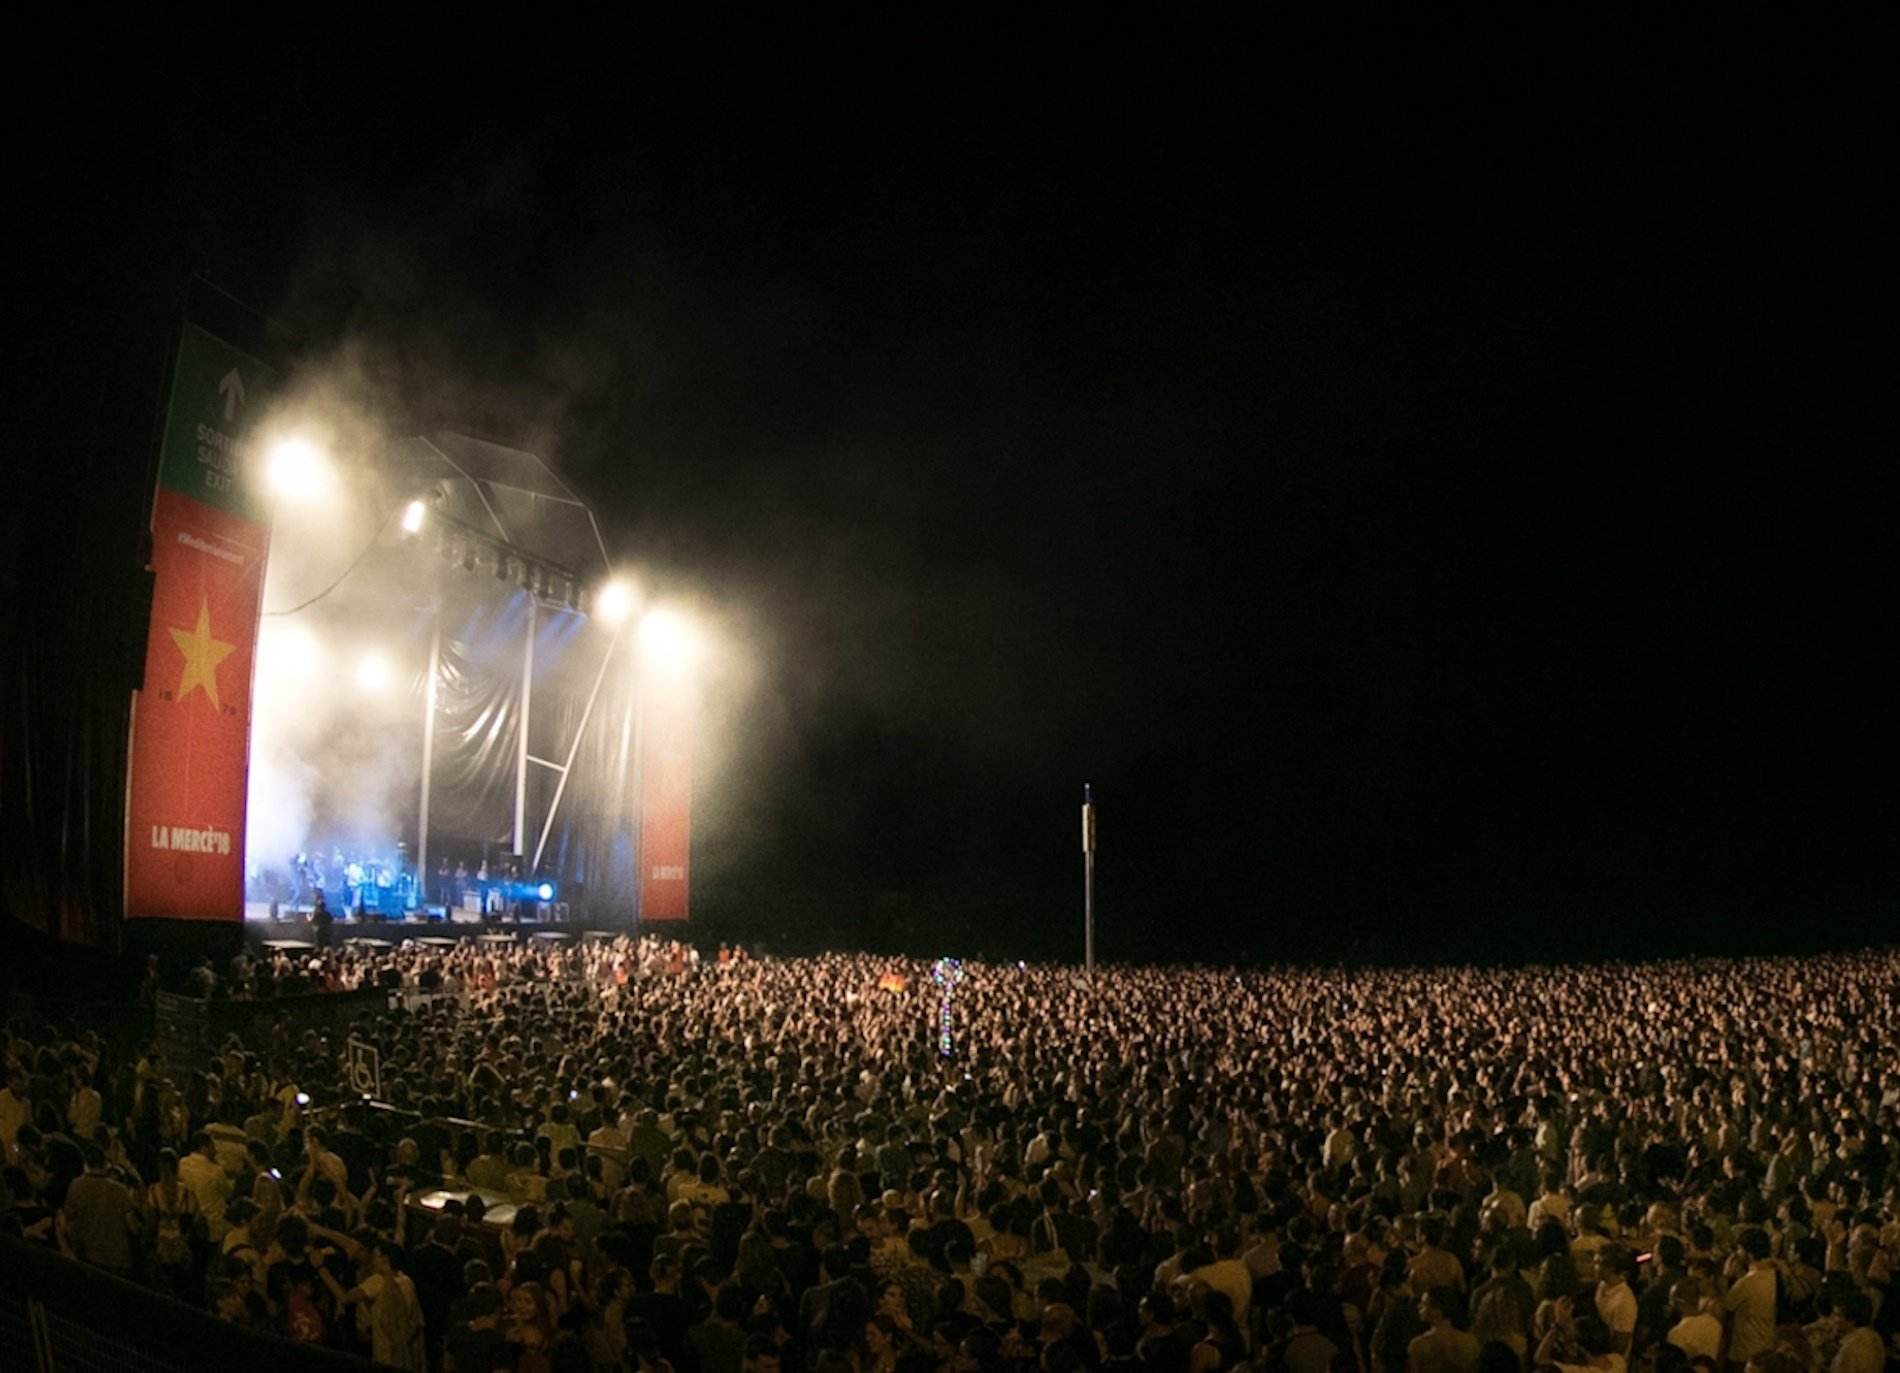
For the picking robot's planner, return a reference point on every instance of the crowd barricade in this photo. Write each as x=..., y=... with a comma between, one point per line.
x=397, y=1120
x=59, y=1314
x=186, y=1029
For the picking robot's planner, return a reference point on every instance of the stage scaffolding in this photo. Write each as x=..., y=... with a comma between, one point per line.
x=491, y=559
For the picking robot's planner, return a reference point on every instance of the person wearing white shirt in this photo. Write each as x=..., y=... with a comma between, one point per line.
x=1554, y=1204
x=1750, y=1303
x=1616, y=1300
x=1504, y=1205
x=1696, y=1332
x=1589, y=1245
x=1038, y=1150
x=611, y=1145
x=210, y=1185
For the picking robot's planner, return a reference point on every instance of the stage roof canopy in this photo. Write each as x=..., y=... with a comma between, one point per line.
x=508, y=494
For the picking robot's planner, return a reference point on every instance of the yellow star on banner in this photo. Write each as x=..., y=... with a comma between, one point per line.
x=202, y=656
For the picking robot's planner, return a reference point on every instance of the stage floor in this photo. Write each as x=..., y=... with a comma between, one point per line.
x=291, y=930
x=261, y=911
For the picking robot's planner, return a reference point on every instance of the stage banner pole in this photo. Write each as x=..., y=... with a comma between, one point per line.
x=665, y=779
x=573, y=751
x=521, y=742
x=191, y=718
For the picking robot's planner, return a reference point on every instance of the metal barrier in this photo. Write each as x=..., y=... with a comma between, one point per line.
x=369, y=1110
x=58, y=1315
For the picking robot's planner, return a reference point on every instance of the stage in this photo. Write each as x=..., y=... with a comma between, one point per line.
x=486, y=755
x=290, y=930
x=433, y=913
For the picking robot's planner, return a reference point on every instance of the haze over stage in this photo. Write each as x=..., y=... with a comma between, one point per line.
x=406, y=580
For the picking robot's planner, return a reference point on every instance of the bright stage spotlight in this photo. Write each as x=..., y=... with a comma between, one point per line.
x=669, y=639
x=297, y=470
x=545, y=891
x=372, y=672
x=614, y=601
x=413, y=514
x=288, y=650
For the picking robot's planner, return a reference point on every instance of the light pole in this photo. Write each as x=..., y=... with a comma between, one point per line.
x=1088, y=878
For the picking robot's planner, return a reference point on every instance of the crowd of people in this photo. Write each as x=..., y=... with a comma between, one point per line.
x=613, y=1156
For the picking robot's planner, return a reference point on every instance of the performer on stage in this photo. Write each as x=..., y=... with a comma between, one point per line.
x=383, y=877
x=320, y=921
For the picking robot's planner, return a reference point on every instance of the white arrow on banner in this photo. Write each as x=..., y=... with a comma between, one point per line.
x=231, y=387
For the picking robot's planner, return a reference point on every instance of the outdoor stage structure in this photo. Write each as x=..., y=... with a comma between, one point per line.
x=407, y=677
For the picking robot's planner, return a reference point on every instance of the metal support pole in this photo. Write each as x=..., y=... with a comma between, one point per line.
x=1088, y=905
x=428, y=756
x=521, y=751
x=567, y=768
x=1088, y=878
x=637, y=710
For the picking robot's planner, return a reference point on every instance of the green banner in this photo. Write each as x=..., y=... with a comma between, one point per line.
x=217, y=395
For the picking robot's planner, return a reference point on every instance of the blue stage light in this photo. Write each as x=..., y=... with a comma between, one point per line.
x=547, y=891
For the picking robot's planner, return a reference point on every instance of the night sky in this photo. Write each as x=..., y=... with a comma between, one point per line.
x=1436, y=484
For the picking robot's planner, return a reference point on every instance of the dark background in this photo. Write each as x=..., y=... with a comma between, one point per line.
x=1434, y=482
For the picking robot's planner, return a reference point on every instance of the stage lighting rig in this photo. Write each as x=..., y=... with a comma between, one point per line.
x=297, y=469
x=545, y=580
x=614, y=602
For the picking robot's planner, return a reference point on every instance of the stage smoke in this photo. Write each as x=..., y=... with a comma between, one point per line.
x=336, y=726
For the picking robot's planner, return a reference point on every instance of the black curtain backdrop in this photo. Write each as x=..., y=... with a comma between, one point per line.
x=67, y=704
x=75, y=599
x=589, y=851
x=477, y=728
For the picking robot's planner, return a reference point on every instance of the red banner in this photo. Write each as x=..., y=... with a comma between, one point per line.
x=191, y=721
x=191, y=725
x=666, y=799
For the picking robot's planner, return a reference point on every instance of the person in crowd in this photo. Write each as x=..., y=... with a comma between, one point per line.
x=1750, y=1300
x=1697, y=1333
x=322, y=920
x=174, y=1227
x=1443, y=1348
x=201, y=1173
x=1615, y=1298
x=99, y=1215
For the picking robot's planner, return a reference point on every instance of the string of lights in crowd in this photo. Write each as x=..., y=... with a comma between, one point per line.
x=947, y=973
